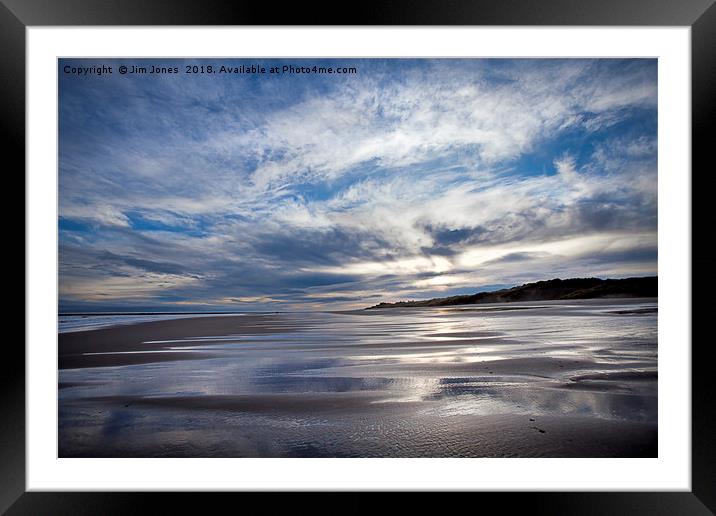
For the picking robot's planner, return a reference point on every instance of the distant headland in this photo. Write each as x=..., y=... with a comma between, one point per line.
x=554, y=289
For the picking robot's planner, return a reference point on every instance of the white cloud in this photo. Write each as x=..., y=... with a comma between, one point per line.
x=101, y=213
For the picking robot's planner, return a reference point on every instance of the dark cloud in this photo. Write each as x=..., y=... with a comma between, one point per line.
x=647, y=254
x=332, y=246
x=147, y=265
x=448, y=237
x=517, y=257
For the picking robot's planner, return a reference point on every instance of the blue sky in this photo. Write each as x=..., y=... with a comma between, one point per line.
x=410, y=179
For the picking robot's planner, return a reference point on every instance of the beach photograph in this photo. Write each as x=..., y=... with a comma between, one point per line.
x=357, y=258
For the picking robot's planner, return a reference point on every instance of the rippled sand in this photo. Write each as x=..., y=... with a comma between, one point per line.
x=549, y=379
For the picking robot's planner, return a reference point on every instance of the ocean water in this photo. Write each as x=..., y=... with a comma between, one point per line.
x=506, y=380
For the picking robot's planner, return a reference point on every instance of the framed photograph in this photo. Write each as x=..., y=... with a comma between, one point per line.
x=422, y=249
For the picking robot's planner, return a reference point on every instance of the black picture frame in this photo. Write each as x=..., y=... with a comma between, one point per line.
x=700, y=15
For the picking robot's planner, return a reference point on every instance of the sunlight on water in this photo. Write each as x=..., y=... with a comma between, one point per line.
x=412, y=372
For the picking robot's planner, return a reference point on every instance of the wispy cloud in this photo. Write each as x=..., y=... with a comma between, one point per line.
x=412, y=177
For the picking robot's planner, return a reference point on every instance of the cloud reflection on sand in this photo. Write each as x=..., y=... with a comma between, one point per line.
x=411, y=371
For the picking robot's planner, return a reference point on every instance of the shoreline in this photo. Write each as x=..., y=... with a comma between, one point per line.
x=140, y=342
x=575, y=379
x=120, y=341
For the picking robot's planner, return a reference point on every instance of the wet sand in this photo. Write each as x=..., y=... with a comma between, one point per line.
x=127, y=344
x=388, y=432
x=546, y=380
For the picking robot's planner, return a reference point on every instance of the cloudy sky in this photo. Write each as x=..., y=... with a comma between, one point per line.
x=409, y=179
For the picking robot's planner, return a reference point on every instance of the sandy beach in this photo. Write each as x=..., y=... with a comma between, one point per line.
x=136, y=343
x=549, y=379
